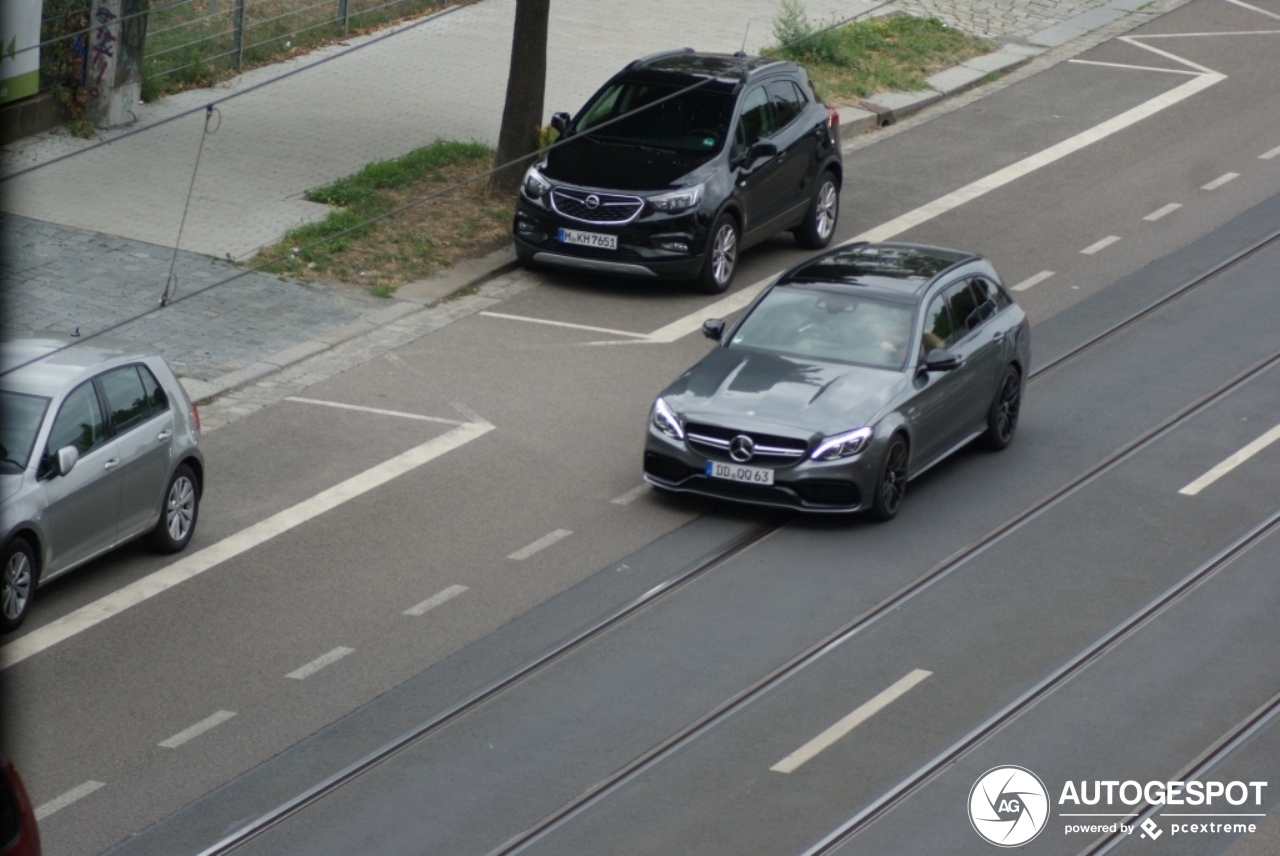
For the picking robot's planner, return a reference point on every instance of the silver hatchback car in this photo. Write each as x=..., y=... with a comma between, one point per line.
x=99, y=444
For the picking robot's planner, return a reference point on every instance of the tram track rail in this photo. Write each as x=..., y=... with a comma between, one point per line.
x=1264, y=717
x=929, y=771
x=743, y=542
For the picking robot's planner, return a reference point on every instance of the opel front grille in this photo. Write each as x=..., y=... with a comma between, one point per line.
x=605, y=209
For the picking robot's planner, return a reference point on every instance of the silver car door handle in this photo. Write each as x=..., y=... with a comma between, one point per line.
x=111, y=464
x=998, y=336
x=165, y=434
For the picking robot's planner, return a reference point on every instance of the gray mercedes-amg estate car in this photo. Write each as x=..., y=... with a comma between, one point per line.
x=853, y=373
x=100, y=444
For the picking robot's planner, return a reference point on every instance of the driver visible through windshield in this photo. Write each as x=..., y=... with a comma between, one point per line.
x=827, y=326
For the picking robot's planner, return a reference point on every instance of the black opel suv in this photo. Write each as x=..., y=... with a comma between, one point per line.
x=679, y=162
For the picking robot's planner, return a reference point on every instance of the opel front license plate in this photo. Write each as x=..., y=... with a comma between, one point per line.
x=739, y=473
x=588, y=239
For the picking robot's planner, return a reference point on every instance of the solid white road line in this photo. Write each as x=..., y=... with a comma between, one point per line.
x=632, y=495
x=1244, y=5
x=1128, y=67
x=196, y=730
x=1221, y=180
x=1232, y=462
x=1033, y=280
x=792, y=762
x=1041, y=159
x=1162, y=212
x=541, y=544
x=377, y=410
x=435, y=600
x=1271, y=154
x=233, y=545
x=565, y=324
x=319, y=663
x=58, y=803
x=739, y=299
x=1100, y=245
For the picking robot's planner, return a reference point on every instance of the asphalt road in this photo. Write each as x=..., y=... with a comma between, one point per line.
x=495, y=506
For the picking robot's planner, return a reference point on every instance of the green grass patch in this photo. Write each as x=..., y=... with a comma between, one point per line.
x=459, y=217
x=858, y=59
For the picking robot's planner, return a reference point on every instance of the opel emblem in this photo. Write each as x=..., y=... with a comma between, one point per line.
x=593, y=202
x=741, y=448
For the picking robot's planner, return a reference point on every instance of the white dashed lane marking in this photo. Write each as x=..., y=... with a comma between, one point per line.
x=60, y=802
x=792, y=762
x=631, y=495
x=435, y=600
x=1100, y=245
x=1232, y=462
x=1163, y=212
x=541, y=544
x=189, y=734
x=1033, y=280
x=1221, y=180
x=319, y=663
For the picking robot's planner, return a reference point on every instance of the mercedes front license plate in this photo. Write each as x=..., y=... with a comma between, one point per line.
x=739, y=473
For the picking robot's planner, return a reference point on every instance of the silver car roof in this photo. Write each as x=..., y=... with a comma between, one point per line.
x=54, y=369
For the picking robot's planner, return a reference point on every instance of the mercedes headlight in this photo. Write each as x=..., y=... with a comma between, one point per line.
x=666, y=421
x=842, y=445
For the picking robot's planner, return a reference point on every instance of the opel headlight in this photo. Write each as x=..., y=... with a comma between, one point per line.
x=677, y=200
x=666, y=421
x=842, y=445
x=535, y=185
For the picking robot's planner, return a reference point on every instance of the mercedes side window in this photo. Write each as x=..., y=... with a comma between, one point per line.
x=964, y=308
x=755, y=121
x=127, y=399
x=992, y=293
x=939, y=329
x=79, y=421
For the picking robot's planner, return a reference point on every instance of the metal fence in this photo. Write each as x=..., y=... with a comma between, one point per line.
x=196, y=42
x=193, y=42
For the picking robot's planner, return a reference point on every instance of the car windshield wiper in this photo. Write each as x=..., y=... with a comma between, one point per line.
x=631, y=144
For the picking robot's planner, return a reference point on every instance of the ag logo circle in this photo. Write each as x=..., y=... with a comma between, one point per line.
x=1008, y=806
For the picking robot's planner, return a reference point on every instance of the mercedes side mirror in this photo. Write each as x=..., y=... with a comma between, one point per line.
x=713, y=328
x=941, y=360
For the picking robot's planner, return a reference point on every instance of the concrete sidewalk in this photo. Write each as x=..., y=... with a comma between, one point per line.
x=90, y=238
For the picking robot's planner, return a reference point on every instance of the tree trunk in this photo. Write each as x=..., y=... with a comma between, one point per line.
x=526, y=82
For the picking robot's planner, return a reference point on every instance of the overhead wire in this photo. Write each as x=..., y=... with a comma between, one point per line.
x=168, y=299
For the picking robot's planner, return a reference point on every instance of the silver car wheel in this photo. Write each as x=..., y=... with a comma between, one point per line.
x=18, y=580
x=828, y=200
x=180, y=508
x=724, y=253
